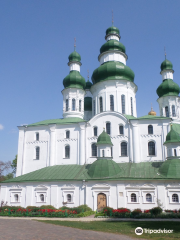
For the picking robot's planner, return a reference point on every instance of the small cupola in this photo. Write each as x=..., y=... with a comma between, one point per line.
x=104, y=145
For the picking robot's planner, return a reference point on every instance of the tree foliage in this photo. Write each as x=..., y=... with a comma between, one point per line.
x=4, y=168
x=14, y=165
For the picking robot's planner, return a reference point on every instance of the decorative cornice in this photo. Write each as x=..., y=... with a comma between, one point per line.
x=36, y=142
x=67, y=140
x=150, y=136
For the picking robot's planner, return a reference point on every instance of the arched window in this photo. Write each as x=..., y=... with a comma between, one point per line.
x=175, y=153
x=173, y=111
x=148, y=197
x=16, y=197
x=73, y=104
x=150, y=129
x=80, y=105
x=108, y=128
x=123, y=103
x=151, y=148
x=68, y=197
x=100, y=104
x=94, y=150
x=67, y=151
x=67, y=134
x=67, y=104
x=37, y=136
x=95, y=131
x=133, y=197
x=41, y=197
x=102, y=153
x=111, y=102
x=121, y=129
x=123, y=149
x=131, y=106
x=37, y=153
x=111, y=151
x=94, y=105
x=167, y=111
x=175, y=198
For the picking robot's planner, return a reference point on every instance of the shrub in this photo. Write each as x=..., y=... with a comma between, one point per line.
x=32, y=207
x=85, y=208
x=107, y=210
x=136, y=212
x=85, y=214
x=64, y=207
x=47, y=207
x=124, y=209
x=156, y=210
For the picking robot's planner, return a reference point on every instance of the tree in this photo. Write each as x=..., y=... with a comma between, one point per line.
x=14, y=165
x=4, y=167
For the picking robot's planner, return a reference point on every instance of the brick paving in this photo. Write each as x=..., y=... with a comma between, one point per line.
x=16, y=229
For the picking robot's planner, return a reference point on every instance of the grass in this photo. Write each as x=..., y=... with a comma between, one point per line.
x=126, y=228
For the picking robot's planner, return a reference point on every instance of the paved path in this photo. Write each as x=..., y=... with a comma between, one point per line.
x=32, y=230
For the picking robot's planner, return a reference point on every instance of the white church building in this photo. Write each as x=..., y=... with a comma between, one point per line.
x=100, y=153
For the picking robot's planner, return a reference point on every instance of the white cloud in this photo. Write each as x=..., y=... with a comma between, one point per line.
x=1, y=127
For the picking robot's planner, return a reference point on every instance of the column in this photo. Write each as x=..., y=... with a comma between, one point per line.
x=29, y=196
x=135, y=142
x=54, y=196
x=82, y=144
x=52, y=144
x=20, y=159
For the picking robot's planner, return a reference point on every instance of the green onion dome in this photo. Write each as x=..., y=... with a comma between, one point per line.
x=170, y=168
x=166, y=65
x=112, y=71
x=74, y=57
x=112, y=31
x=112, y=45
x=172, y=136
x=88, y=85
x=104, y=138
x=168, y=88
x=74, y=80
x=88, y=104
x=103, y=168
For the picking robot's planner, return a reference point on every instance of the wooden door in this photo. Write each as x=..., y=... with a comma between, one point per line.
x=101, y=201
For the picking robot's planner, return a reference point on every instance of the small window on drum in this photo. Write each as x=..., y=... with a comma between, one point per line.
x=108, y=128
x=80, y=105
x=68, y=197
x=121, y=129
x=67, y=104
x=175, y=153
x=37, y=153
x=73, y=104
x=37, y=136
x=167, y=111
x=67, y=134
x=100, y=104
x=95, y=131
x=67, y=151
x=111, y=102
x=173, y=111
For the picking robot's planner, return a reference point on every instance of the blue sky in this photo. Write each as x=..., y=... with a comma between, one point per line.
x=37, y=37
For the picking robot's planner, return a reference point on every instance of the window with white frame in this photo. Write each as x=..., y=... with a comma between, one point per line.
x=37, y=153
x=67, y=151
x=175, y=198
x=121, y=129
x=150, y=129
x=100, y=104
x=16, y=197
x=37, y=136
x=124, y=149
x=167, y=111
x=95, y=131
x=123, y=103
x=173, y=111
x=41, y=197
x=73, y=104
x=151, y=148
x=111, y=102
x=67, y=104
x=80, y=105
x=148, y=197
x=69, y=198
x=67, y=134
x=108, y=128
x=133, y=197
x=94, y=150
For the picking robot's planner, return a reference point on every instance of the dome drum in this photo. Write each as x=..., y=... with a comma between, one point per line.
x=112, y=55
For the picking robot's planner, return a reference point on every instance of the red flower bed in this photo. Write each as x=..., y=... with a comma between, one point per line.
x=146, y=211
x=125, y=210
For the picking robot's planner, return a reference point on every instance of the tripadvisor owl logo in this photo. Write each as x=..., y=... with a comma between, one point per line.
x=138, y=231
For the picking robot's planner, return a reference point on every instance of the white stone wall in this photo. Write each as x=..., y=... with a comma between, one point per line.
x=118, y=193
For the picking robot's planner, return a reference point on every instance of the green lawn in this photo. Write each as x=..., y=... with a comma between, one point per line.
x=126, y=228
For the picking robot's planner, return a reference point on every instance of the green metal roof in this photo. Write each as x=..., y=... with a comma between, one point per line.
x=174, y=135
x=74, y=57
x=168, y=88
x=112, y=45
x=112, y=71
x=151, y=117
x=58, y=121
x=166, y=64
x=129, y=117
x=112, y=30
x=104, y=138
x=74, y=80
x=88, y=85
x=170, y=168
x=131, y=171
